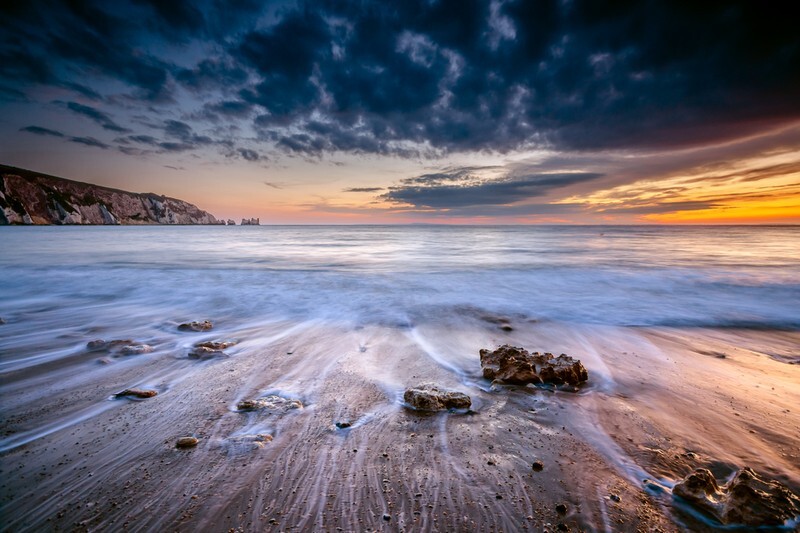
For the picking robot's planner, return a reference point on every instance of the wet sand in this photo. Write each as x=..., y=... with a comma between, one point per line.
x=659, y=403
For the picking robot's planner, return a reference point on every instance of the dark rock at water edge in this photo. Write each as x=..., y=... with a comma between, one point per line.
x=251, y=222
x=748, y=499
x=28, y=197
x=509, y=364
x=2, y=321
x=205, y=325
x=429, y=397
x=119, y=347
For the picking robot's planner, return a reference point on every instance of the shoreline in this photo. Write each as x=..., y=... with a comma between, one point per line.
x=659, y=403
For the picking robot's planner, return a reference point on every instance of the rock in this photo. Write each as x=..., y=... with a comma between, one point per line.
x=562, y=370
x=231, y=222
x=205, y=325
x=137, y=393
x=387, y=517
x=136, y=349
x=250, y=222
x=509, y=364
x=208, y=349
x=2, y=321
x=99, y=344
x=186, y=442
x=561, y=508
x=119, y=346
x=748, y=499
x=343, y=425
x=272, y=403
x=429, y=397
x=537, y=466
x=614, y=497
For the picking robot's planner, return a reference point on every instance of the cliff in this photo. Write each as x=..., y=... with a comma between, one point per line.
x=28, y=197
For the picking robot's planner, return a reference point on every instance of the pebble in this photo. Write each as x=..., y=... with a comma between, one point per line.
x=138, y=393
x=186, y=442
x=343, y=425
x=537, y=466
x=615, y=497
x=387, y=517
x=561, y=508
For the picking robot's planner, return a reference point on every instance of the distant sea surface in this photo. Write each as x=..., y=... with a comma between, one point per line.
x=61, y=278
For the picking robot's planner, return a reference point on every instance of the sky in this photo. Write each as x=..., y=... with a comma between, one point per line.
x=478, y=112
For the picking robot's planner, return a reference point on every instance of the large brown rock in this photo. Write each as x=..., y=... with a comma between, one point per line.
x=561, y=370
x=748, y=499
x=429, y=397
x=510, y=364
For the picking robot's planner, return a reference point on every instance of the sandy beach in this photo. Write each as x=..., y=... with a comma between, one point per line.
x=659, y=402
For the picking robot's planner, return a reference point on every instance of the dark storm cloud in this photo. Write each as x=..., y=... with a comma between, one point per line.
x=249, y=155
x=89, y=141
x=443, y=193
x=96, y=115
x=42, y=131
x=212, y=74
x=423, y=78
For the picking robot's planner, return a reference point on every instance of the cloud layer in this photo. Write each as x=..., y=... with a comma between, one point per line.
x=406, y=78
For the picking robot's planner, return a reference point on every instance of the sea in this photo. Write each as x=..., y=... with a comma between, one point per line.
x=61, y=278
x=344, y=318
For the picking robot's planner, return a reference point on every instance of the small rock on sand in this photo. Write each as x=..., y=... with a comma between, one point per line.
x=514, y=365
x=429, y=397
x=343, y=425
x=748, y=499
x=136, y=349
x=205, y=325
x=537, y=466
x=186, y=442
x=208, y=349
x=137, y=393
